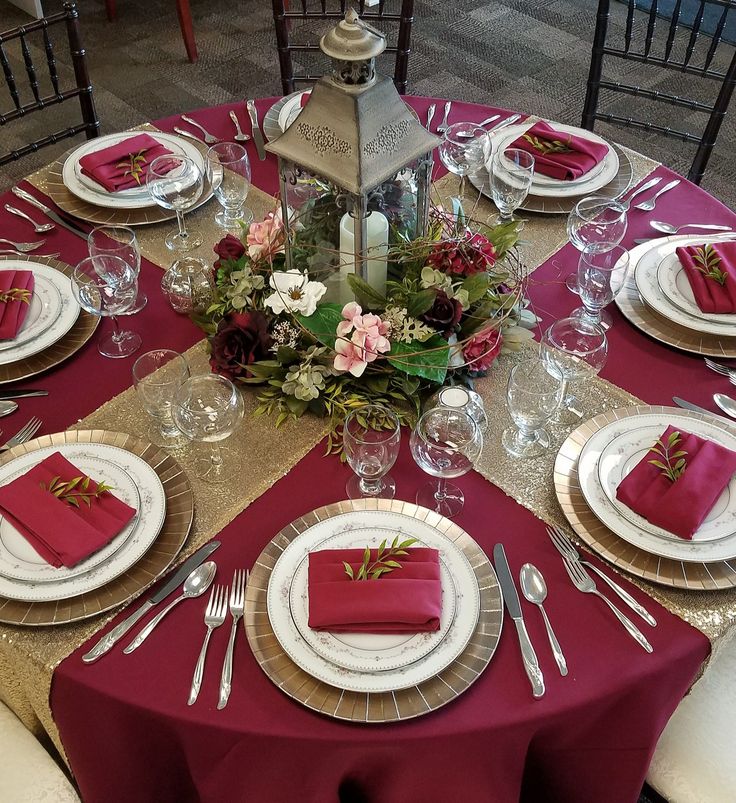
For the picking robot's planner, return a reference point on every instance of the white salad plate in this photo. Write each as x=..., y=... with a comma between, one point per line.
x=45, y=308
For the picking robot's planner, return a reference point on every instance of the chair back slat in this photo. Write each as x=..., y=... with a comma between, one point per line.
x=651, y=25
x=629, y=24
x=694, y=33
x=30, y=69
x=716, y=39
x=9, y=77
x=51, y=60
x=672, y=33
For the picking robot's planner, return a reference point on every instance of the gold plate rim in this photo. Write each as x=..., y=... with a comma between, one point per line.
x=370, y=707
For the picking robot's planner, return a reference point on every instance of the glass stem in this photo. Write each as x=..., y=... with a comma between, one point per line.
x=563, y=393
x=116, y=335
x=441, y=491
x=216, y=458
x=592, y=314
x=180, y=221
x=524, y=437
x=370, y=487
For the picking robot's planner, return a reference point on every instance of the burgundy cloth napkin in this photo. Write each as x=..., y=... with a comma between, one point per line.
x=13, y=313
x=711, y=295
x=60, y=533
x=680, y=506
x=406, y=600
x=582, y=154
x=110, y=166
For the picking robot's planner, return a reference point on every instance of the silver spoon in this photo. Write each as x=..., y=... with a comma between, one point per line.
x=39, y=228
x=535, y=590
x=7, y=407
x=240, y=136
x=726, y=403
x=668, y=228
x=194, y=586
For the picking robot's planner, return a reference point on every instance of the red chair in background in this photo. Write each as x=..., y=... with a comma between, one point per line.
x=185, y=23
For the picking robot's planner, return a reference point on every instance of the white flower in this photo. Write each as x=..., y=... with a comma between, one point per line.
x=456, y=353
x=435, y=278
x=294, y=293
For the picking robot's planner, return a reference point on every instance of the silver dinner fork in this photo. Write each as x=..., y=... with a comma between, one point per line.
x=210, y=139
x=723, y=370
x=444, y=125
x=23, y=434
x=214, y=616
x=430, y=115
x=24, y=247
x=584, y=582
x=237, y=609
x=566, y=548
x=647, y=206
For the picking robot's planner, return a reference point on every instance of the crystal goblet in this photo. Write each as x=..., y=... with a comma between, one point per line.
x=176, y=182
x=371, y=437
x=601, y=275
x=461, y=150
x=512, y=172
x=157, y=376
x=119, y=241
x=228, y=169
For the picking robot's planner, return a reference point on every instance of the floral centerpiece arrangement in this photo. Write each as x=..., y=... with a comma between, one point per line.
x=452, y=302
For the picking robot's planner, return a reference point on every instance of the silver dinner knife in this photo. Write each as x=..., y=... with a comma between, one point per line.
x=256, y=130
x=694, y=407
x=511, y=599
x=28, y=198
x=109, y=640
x=21, y=394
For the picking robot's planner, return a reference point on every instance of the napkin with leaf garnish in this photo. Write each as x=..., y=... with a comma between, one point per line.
x=125, y=164
x=677, y=483
x=16, y=292
x=64, y=515
x=405, y=599
x=711, y=271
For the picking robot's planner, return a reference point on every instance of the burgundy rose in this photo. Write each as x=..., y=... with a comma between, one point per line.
x=229, y=247
x=444, y=314
x=241, y=339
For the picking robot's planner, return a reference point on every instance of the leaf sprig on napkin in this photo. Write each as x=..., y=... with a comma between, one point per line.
x=546, y=147
x=75, y=490
x=708, y=263
x=672, y=470
x=15, y=294
x=386, y=560
x=134, y=165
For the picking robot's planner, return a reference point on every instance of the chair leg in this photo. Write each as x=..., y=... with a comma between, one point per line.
x=111, y=10
x=187, y=31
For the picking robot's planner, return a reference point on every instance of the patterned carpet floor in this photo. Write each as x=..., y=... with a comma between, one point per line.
x=530, y=55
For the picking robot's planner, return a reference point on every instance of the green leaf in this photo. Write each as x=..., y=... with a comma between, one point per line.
x=427, y=360
x=323, y=323
x=419, y=303
x=287, y=355
x=348, y=570
x=366, y=295
x=476, y=286
x=659, y=464
x=381, y=548
x=296, y=406
x=394, y=564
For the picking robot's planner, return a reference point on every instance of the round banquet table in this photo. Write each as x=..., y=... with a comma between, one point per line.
x=124, y=724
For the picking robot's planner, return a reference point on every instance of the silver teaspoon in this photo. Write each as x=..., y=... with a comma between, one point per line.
x=240, y=136
x=535, y=590
x=194, y=586
x=726, y=403
x=668, y=228
x=7, y=407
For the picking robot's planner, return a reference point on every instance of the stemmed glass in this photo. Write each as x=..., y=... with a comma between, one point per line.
x=573, y=349
x=601, y=275
x=532, y=396
x=119, y=241
x=228, y=170
x=512, y=172
x=157, y=376
x=445, y=444
x=107, y=285
x=208, y=409
x=176, y=182
x=598, y=220
x=371, y=437
x=461, y=150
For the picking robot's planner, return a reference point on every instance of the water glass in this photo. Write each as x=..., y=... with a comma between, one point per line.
x=445, y=444
x=512, y=172
x=461, y=150
x=157, y=376
x=601, y=275
x=573, y=350
x=228, y=170
x=176, y=182
x=119, y=241
x=208, y=409
x=595, y=220
x=107, y=286
x=371, y=437
x=532, y=397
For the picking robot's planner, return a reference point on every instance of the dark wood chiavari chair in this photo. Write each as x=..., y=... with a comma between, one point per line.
x=286, y=13
x=90, y=125
x=676, y=45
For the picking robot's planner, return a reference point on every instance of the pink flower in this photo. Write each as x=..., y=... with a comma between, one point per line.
x=349, y=357
x=367, y=339
x=482, y=349
x=266, y=239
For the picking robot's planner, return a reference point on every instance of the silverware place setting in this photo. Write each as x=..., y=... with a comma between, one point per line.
x=237, y=610
x=534, y=589
x=187, y=134
x=696, y=408
x=444, y=124
x=239, y=135
x=39, y=228
x=25, y=433
x=214, y=617
x=70, y=223
x=210, y=139
x=250, y=105
x=430, y=115
x=721, y=369
x=24, y=247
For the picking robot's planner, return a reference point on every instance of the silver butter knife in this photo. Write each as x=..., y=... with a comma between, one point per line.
x=694, y=407
x=511, y=599
x=65, y=224
x=256, y=131
x=109, y=640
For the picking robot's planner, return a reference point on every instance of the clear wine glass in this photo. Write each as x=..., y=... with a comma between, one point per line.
x=208, y=409
x=445, y=444
x=106, y=285
x=601, y=275
x=119, y=241
x=461, y=150
x=157, y=376
x=371, y=437
x=228, y=169
x=573, y=350
x=532, y=397
x=512, y=172
x=176, y=182
x=595, y=219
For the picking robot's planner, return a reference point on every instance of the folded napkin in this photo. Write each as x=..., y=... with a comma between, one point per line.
x=406, y=600
x=111, y=167
x=680, y=506
x=718, y=259
x=60, y=533
x=13, y=312
x=558, y=155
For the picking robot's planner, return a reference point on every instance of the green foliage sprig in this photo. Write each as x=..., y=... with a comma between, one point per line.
x=708, y=263
x=15, y=294
x=134, y=165
x=545, y=146
x=76, y=490
x=386, y=560
x=674, y=463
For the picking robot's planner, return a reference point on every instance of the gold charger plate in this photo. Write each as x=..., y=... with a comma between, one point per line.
x=368, y=706
x=73, y=340
x=658, y=327
x=691, y=576
x=178, y=521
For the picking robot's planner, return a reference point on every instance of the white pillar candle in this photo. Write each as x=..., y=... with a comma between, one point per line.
x=376, y=248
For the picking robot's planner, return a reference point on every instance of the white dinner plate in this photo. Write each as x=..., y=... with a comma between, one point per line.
x=45, y=308
x=51, y=327
x=45, y=583
x=612, y=452
x=367, y=523
x=134, y=198
x=291, y=109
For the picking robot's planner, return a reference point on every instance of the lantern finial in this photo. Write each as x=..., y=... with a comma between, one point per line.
x=353, y=46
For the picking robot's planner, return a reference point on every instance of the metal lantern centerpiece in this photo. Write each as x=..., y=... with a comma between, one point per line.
x=355, y=167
